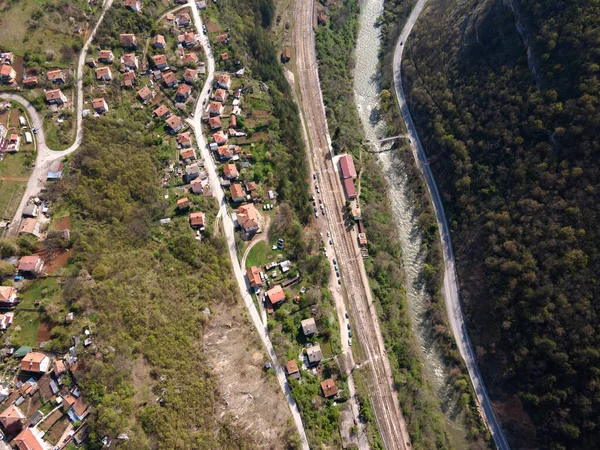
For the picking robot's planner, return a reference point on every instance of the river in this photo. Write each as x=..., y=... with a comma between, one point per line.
x=366, y=90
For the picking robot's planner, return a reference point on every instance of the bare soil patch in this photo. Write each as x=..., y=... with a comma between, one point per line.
x=14, y=117
x=62, y=223
x=249, y=394
x=4, y=118
x=56, y=260
x=212, y=27
x=57, y=430
x=43, y=333
x=51, y=420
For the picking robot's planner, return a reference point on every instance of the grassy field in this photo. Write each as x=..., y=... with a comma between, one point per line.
x=44, y=28
x=39, y=290
x=259, y=254
x=27, y=322
x=10, y=196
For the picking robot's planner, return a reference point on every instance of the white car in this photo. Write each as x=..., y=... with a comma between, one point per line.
x=317, y=215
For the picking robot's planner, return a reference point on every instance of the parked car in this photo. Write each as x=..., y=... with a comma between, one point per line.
x=346, y=315
x=349, y=333
x=348, y=327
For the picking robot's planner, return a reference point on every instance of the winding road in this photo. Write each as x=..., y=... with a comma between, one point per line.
x=45, y=155
x=228, y=228
x=451, y=291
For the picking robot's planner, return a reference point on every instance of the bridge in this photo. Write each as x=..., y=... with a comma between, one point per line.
x=381, y=141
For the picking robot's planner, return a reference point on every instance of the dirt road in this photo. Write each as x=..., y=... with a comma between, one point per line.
x=383, y=397
x=451, y=292
x=229, y=232
x=46, y=156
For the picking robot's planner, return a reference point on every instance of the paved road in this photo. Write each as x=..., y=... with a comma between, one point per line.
x=228, y=229
x=383, y=396
x=455, y=315
x=46, y=156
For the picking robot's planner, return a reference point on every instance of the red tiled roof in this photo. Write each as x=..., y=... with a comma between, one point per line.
x=197, y=219
x=214, y=122
x=253, y=274
x=276, y=294
x=230, y=171
x=236, y=191
x=347, y=167
x=159, y=59
x=329, y=388
x=291, y=367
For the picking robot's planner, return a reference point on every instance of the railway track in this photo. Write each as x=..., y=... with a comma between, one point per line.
x=383, y=396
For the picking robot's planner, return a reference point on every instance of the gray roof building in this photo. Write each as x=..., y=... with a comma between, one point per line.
x=314, y=354
x=309, y=327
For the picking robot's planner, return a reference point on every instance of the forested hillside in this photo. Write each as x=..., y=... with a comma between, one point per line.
x=505, y=96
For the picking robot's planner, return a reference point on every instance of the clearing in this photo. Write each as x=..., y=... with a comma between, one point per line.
x=250, y=393
x=44, y=30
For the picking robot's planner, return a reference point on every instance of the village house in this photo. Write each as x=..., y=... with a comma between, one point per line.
x=192, y=171
x=196, y=186
x=30, y=226
x=129, y=78
x=159, y=41
x=12, y=420
x=309, y=326
x=214, y=123
x=7, y=73
x=230, y=171
x=232, y=121
x=8, y=296
x=197, y=220
x=162, y=111
x=130, y=61
x=133, y=5
x=314, y=354
x=183, y=203
x=35, y=362
x=188, y=155
x=174, y=124
x=90, y=62
x=220, y=138
x=329, y=388
x=127, y=40
x=100, y=105
x=183, y=93
x=190, y=75
x=145, y=94
x=187, y=39
x=169, y=79
x=55, y=171
x=285, y=55
x=190, y=58
x=253, y=274
x=170, y=18
x=252, y=188
x=78, y=411
x=160, y=61
x=247, y=219
x=55, y=97
x=106, y=56
x=224, y=56
x=215, y=108
x=276, y=295
x=103, y=74
x=30, y=265
x=7, y=58
x=224, y=81
x=58, y=368
x=184, y=140
x=220, y=95
x=29, y=439
x=183, y=20
x=30, y=82
x=224, y=152
x=237, y=193
x=56, y=76
x=6, y=320
x=221, y=38
x=292, y=370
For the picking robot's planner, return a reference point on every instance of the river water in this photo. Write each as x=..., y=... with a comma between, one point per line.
x=366, y=90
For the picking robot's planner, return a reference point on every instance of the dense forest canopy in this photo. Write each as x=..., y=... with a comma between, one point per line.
x=505, y=96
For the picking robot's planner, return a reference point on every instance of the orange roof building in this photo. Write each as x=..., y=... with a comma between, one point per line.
x=197, y=220
x=183, y=203
x=276, y=294
x=237, y=192
x=253, y=274
x=230, y=171
x=329, y=388
x=12, y=419
x=28, y=439
x=247, y=217
x=215, y=123
x=35, y=362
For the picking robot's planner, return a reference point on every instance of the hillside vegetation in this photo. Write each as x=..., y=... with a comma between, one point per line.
x=512, y=141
